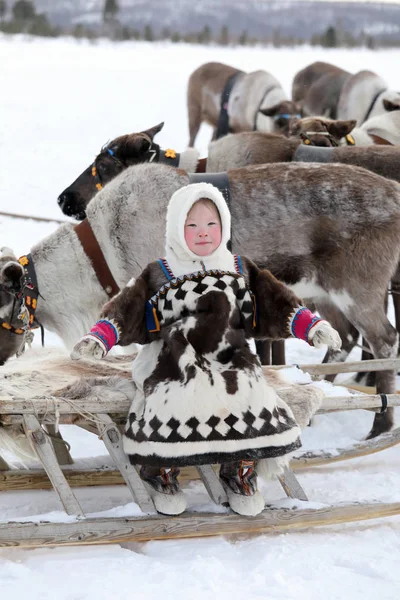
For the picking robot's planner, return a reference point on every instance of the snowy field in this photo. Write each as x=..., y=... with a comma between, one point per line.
x=60, y=102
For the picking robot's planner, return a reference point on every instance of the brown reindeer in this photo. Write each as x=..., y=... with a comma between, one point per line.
x=381, y=130
x=317, y=89
x=236, y=151
x=325, y=90
x=321, y=131
x=256, y=100
x=329, y=231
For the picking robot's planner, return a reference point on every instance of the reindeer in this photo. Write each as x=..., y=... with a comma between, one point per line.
x=383, y=129
x=230, y=152
x=321, y=131
x=256, y=101
x=331, y=232
x=235, y=151
x=13, y=314
x=326, y=90
x=317, y=87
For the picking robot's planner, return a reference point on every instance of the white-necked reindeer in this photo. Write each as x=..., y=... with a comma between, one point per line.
x=332, y=232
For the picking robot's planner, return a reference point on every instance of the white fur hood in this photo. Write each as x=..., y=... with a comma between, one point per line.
x=182, y=260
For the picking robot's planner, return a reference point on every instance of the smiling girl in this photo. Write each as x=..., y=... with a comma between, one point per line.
x=200, y=393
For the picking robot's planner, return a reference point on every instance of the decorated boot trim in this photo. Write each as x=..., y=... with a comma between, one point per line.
x=163, y=480
x=240, y=477
x=300, y=322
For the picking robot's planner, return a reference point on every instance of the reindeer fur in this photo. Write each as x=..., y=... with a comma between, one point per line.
x=254, y=100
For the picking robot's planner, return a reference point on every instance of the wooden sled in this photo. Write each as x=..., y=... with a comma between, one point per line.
x=33, y=413
x=107, y=474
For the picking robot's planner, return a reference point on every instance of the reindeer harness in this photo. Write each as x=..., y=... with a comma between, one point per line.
x=25, y=299
x=168, y=157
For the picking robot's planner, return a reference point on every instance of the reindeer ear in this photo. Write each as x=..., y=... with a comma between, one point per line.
x=390, y=106
x=11, y=273
x=270, y=111
x=340, y=129
x=154, y=130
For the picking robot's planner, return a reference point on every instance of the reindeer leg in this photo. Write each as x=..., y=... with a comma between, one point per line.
x=347, y=332
x=383, y=341
x=369, y=378
x=278, y=353
x=263, y=348
x=194, y=112
x=395, y=289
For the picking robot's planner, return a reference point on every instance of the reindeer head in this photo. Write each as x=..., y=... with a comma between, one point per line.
x=282, y=115
x=117, y=155
x=12, y=324
x=320, y=131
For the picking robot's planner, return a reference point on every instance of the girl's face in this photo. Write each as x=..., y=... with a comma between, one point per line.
x=203, y=231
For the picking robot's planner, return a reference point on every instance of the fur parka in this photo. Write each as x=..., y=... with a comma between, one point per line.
x=201, y=396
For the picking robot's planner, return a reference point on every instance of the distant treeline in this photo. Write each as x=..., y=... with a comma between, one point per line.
x=21, y=17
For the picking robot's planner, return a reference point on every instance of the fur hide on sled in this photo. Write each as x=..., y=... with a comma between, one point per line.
x=50, y=372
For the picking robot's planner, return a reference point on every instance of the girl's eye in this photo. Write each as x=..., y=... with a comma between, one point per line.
x=212, y=223
x=191, y=225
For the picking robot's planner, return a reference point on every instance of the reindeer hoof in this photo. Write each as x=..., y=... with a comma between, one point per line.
x=382, y=424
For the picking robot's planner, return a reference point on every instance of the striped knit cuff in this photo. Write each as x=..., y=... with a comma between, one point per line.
x=300, y=323
x=107, y=332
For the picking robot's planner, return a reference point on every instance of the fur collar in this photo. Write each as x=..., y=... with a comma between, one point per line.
x=182, y=260
x=188, y=160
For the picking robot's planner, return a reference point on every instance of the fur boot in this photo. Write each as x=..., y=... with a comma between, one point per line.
x=240, y=482
x=163, y=487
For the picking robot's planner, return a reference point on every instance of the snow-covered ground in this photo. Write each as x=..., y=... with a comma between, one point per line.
x=60, y=102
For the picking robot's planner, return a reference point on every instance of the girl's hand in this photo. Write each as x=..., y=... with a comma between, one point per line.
x=88, y=347
x=323, y=333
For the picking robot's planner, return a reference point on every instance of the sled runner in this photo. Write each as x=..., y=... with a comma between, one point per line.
x=104, y=413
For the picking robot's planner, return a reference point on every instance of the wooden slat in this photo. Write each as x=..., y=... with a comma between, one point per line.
x=3, y=465
x=292, y=487
x=212, y=484
x=187, y=525
x=361, y=366
x=60, y=448
x=47, y=457
x=39, y=406
x=365, y=402
x=113, y=442
x=23, y=479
